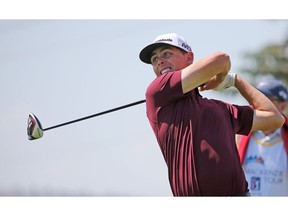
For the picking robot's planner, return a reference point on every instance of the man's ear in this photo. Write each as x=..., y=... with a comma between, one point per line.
x=190, y=58
x=283, y=106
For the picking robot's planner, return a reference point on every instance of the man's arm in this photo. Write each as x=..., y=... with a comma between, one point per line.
x=266, y=115
x=211, y=70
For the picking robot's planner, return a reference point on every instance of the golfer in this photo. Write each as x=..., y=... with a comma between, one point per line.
x=197, y=135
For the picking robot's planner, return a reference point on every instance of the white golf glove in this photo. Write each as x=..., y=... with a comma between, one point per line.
x=227, y=82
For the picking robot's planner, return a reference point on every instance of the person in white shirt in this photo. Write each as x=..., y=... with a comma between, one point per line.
x=263, y=154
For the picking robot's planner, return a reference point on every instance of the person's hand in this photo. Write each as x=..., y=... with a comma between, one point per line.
x=219, y=82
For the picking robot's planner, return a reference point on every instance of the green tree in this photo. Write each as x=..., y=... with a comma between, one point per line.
x=271, y=60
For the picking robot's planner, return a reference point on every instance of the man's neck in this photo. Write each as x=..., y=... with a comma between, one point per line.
x=268, y=132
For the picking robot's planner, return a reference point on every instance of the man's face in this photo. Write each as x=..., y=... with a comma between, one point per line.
x=168, y=58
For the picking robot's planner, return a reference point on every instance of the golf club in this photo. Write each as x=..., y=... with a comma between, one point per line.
x=35, y=130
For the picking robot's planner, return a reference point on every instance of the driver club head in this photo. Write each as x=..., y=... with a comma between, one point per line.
x=34, y=128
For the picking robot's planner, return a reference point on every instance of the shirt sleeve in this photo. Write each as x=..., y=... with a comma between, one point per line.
x=244, y=119
x=165, y=89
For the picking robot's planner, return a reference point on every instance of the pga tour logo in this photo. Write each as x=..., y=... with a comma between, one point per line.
x=255, y=183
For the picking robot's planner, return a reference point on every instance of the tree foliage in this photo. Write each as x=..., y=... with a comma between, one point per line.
x=271, y=60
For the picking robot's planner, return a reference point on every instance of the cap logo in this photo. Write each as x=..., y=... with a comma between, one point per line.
x=283, y=95
x=163, y=39
x=186, y=46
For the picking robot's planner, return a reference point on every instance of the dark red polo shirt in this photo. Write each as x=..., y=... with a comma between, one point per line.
x=197, y=138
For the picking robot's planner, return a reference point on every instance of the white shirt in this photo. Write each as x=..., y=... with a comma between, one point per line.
x=265, y=165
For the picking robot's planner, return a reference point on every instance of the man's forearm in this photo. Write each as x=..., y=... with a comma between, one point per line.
x=254, y=97
x=266, y=116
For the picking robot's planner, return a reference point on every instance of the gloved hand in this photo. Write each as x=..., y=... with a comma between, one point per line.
x=227, y=82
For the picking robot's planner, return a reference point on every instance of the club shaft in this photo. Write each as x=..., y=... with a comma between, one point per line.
x=97, y=114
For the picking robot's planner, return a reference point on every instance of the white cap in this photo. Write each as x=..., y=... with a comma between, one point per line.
x=165, y=39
